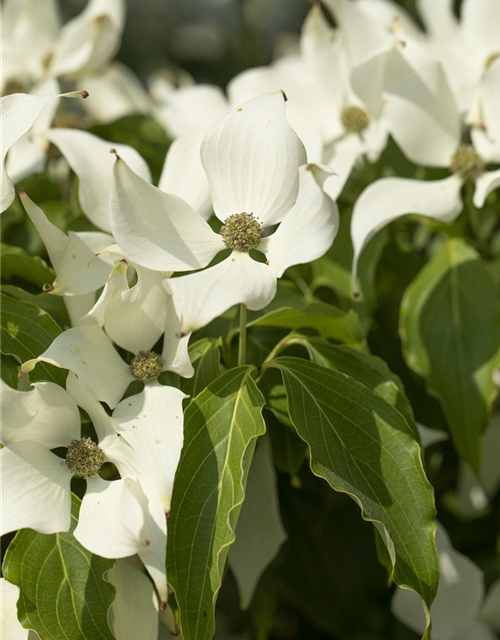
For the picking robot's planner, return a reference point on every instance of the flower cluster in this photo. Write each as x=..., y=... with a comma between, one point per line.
x=248, y=189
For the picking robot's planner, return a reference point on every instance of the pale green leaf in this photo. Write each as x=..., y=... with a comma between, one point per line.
x=220, y=428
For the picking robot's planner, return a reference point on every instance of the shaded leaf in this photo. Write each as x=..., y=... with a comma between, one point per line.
x=63, y=591
x=205, y=358
x=364, y=447
x=450, y=327
x=26, y=331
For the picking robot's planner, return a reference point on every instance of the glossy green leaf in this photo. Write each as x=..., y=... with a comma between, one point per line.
x=326, y=319
x=205, y=358
x=450, y=326
x=364, y=447
x=16, y=263
x=63, y=591
x=26, y=331
x=220, y=428
x=371, y=371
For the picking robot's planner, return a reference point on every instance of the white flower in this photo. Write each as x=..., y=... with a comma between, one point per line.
x=78, y=273
x=459, y=611
x=36, y=482
x=466, y=47
x=252, y=159
x=19, y=112
x=389, y=198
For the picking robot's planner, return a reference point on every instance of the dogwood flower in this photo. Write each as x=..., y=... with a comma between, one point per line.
x=252, y=159
x=465, y=47
x=36, y=482
x=19, y=112
x=460, y=611
x=78, y=274
x=389, y=198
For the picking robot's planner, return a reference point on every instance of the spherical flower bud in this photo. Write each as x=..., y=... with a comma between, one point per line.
x=354, y=119
x=146, y=366
x=84, y=458
x=242, y=232
x=466, y=163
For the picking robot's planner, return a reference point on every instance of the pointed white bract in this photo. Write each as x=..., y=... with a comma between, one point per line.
x=19, y=112
x=91, y=159
x=134, y=613
x=456, y=611
x=250, y=171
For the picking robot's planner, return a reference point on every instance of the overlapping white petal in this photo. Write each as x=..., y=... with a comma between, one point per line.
x=29, y=153
x=190, y=108
x=90, y=40
x=251, y=159
x=100, y=419
x=35, y=489
x=152, y=423
x=45, y=414
x=486, y=184
x=389, y=198
x=10, y=627
x=129, y=524
x=86, y=351
x=77, y=269
x=19, y=112
x=158, y=230
x=239, y=279
x=27, y=21
x=134, y=612
x=175, y=344
x=91, y=160
x=490, y=100
x=183, y=174
x=459, y=597
x=116, y=93
x=308, y=229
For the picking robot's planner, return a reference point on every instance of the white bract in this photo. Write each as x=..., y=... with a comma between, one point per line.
x=19, y=112
x=78, y=272
x=389, y=198
x=460, y=611
x=36, y=482
x=255, y=167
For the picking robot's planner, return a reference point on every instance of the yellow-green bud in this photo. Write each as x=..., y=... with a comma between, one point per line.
x=354, y=119
x=84, y=458
x=242, y=232
x=466, y=163
x=146, y=366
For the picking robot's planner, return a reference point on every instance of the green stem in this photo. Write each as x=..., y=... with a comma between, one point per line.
x=242, y=346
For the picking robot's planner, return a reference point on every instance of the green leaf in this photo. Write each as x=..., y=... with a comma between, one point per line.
x=326, y=319
x=220, y=428
x=205, y=358
x=54, y=305
x=370, y=370
x=63, y=591
x=289, y=451
x=26, y=331
x=450, y=327
x=364, y=447
x=8, y=371
x=16, y=263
